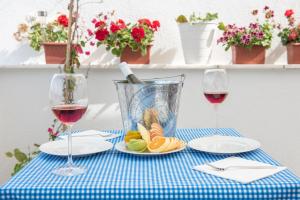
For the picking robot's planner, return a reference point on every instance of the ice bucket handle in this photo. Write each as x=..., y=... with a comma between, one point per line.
x=182, y=78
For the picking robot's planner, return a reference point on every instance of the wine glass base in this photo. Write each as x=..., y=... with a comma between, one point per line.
x=69, y=171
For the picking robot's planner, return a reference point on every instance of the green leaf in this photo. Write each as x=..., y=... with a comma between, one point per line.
x=20, y=156
x=9, y=154
x=116, y=52
x=181, y=19
x=82, y=43
x=221, y=26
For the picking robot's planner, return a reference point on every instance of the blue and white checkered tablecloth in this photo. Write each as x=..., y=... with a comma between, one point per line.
x=114, y=175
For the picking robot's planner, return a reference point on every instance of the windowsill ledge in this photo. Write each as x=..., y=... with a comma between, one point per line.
x=159, y=66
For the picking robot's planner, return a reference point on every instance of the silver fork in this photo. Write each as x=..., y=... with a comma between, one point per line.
x=239, y=167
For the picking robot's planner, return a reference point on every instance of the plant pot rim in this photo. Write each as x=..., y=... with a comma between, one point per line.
x=54, y=43
x=249, y=48
x=294, y=43
x=148, y=46
x=195, y=24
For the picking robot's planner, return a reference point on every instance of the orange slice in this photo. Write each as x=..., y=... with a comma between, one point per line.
x=158, y=144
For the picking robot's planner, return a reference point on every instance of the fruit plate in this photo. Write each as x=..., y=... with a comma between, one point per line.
x=219, y=144
x=121, y=146
x=80, y=146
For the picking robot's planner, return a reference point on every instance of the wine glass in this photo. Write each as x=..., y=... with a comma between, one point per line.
x=215, y=88
x=69, y=102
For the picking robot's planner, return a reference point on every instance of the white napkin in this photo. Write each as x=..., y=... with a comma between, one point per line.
x=241, y=175
x=93, y=133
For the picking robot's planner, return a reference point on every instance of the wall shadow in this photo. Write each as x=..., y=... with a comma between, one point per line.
x=275, y=54
x=22, y=54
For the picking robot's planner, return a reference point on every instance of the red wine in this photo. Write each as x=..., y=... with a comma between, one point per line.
x=215, y=97
x=69, y=114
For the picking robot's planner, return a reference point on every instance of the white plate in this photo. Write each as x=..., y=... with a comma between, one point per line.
x=81, y=146
x=224, y=144
x=121, y=146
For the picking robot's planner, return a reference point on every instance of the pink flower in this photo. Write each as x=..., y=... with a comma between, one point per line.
x=50, y=130
x=94, y=21
x=87, y=53
x=90, y=32
x=246, y=39
x=293, y=35
x=253, y=25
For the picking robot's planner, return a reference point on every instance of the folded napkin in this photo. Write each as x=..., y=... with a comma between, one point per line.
x=92, y=133
x=241, y=175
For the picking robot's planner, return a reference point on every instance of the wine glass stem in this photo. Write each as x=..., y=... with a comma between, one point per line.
x=217, y=122
x=70, y=160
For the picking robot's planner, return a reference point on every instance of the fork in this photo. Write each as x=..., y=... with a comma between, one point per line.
x=239, y=167
x=96, y=134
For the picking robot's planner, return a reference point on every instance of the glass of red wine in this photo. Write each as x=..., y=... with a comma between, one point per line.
x=215, y=88
x=69, y=102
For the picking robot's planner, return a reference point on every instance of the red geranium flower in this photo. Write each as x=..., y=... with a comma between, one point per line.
x=289, y=13
x=155, y=25
x=63, y=20
x=145, y=21
x=114, y=27
x=118, y=25
x=100, y=24
x=87, y=53
x=78, y=49
x=101, y=34
x=138, y=33
x=121, y=24
x=293, y=35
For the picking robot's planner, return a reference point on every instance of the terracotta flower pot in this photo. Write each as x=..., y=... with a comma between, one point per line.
x=293, y=53
x=55, y=53
x=135, y=57
x=242, y=55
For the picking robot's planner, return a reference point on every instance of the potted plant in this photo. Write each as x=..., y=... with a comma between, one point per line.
x=249, y=44
x=197, y=36
x=131, y=42
x=52, y=36
x=290, y=37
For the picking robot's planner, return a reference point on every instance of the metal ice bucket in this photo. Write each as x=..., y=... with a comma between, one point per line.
x=155, y=100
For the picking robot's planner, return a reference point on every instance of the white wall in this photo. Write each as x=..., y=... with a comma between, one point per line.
x=167, y=47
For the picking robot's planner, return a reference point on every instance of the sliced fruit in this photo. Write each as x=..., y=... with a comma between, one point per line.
x=132, y=135
x=174, y=144
x=158, y=144
x=139, y=145
x=144, y=133
x=156, y=130
x=150, y=116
